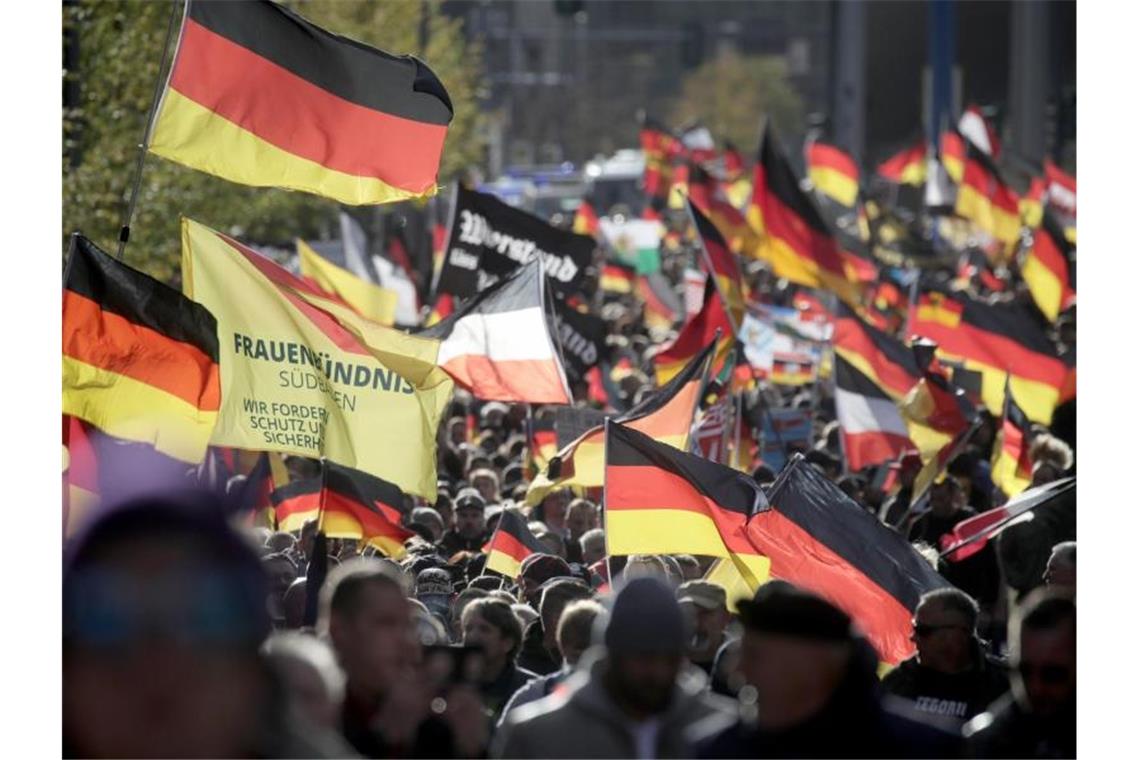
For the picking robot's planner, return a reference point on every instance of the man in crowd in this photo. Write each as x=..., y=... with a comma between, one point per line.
x=593, y=546
x=811, y=688
x=581, y=516
x=950, y=676
x=388, y=703
x=1038, y=717
x=540, y=648
x=627, y=703
x=704, y=603
x=491, y=625
x=575, y=629
x=978, y=575
x=469, y=533
x=1061, y=572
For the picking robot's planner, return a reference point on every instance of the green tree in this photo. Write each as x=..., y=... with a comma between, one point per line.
x=730, y=93
x=119, y=45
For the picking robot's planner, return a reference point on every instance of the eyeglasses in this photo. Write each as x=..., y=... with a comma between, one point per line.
x=922, y=630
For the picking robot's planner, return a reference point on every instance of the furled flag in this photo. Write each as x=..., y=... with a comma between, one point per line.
x=970, y=536
x=140, y=360
x=303, y=374
x=659, y=500
x=499, y=346
x=818, y=538
x=907, y=167
x=367, y=300
x=713, y=323
x=260, y=96
x=1050, y=268
x=511, y=543
x=993, y=339
x=797, y=241
x=935, y=404
x=661, y=150
x=354, y=504
x=721, y=264
x=704, y=192
x=833, y=172
x=665, y=415
x=873, y=430
x=1011, y=467
x=977, y=129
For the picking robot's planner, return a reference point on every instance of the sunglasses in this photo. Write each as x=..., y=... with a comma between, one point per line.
x=922, y=630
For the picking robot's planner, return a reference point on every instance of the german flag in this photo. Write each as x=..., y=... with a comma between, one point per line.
x=712, y=324
x=704, y=193
x=797, y=242
x=1032, y=204
x=543, y=443
x=934, y=466
x=721, y=264
x=140, y=360
x=952, y=152
x=818, y=538
x=661, y=149
x=586, y=218
x=666, y=416
x=882, y=358
x=935, y=411
x=354, y=504
x=1011, y=467
x=907, y=167
x=985, y=199
x=659, y=500
x=511, y=543
x=366, y=299
x=1049, y=268
x=833, y=172
x=296, y=503
x=616, y=278
x=660, y=306
x=873, y=429
x=260, y=96
x=792, y=369
x=993, y=339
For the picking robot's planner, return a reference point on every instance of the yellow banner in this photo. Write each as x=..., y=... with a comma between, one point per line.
x=303, y=374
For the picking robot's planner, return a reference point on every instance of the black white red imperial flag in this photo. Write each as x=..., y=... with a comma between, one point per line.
x=490, y=239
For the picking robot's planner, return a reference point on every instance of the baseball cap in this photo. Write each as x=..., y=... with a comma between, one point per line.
x=434, y=580
x=703, y=594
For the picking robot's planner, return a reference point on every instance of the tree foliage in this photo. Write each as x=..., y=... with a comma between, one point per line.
x=730, y=93
x=119, y=46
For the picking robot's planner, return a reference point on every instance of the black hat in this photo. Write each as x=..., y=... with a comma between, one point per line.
x=783, y=609
x=469, y=498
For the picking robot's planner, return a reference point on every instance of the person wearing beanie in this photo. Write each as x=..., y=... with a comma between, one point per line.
x=810, y=688
x=164, y=611
x=627, y=698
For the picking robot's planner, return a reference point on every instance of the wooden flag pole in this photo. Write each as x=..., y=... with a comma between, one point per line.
x=125, y=230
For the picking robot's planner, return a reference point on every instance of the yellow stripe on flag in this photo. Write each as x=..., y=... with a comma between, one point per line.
x=1000, y=224
x=125, y=408
x=338, y=525
x=740, y=576
x=662, y=531
x=1043, y=286
x=835, y=184
x=190, y=134
x=371, y=301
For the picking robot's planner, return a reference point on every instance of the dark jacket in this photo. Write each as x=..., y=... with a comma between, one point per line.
x=583, y=721
x=956, y=698
x=534, y=656
x=979, y=575
x=452, y=543
x=433, y=739
x=856, y=722
x=496, y=693
x=1005, y=730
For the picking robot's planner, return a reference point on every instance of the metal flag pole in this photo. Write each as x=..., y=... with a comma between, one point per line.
x=125, y=230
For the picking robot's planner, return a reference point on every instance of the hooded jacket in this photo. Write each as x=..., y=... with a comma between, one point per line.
x=584, y=721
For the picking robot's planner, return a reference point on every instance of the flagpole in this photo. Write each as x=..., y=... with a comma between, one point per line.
x=125, y=230
x=605, y=528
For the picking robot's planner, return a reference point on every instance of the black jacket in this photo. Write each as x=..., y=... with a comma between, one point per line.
x=1005, y=730
x=855, y=723
x=452, y=543
x=979, y=575
x=496, y=693
x=533, y=655
x=433, y=738
x=957, y=698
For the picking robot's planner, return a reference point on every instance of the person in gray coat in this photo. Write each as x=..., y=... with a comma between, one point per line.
x=630, y=700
